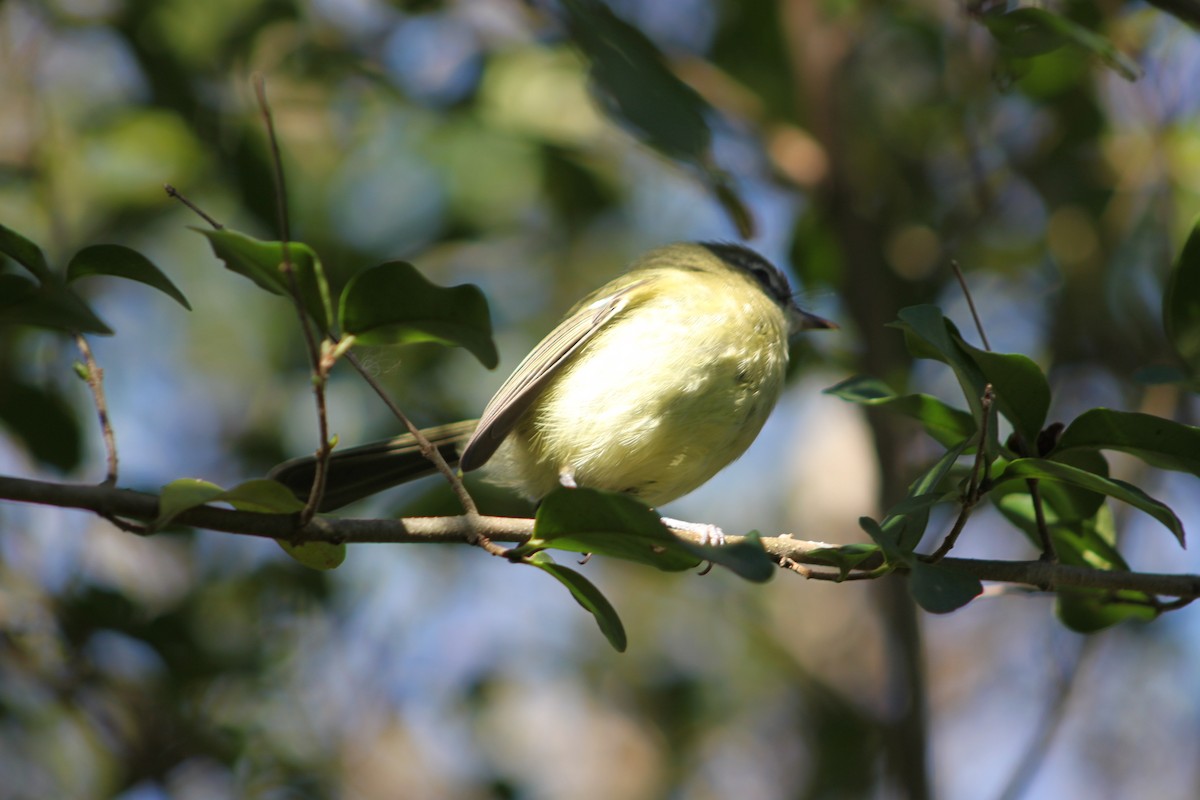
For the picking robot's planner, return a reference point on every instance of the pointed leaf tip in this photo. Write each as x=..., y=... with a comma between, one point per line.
x=588, y=596
x=122, y=262
x=393, y=303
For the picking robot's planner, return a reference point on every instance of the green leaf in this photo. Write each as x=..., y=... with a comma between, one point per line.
x=25, y=253
x=606, y=523
x=1093, y=543
x=928, y=334
x=631, y=80
x=266, y=496
x=1092, y=610
x=1181, y=302
x=42, y=421
x=1069, y=502
x=262, y=263
x=1019, y=37
x=886, y=540
x=260, y=495
x=1054, y=471
x=915, y=504
x=946, y=424
x=122, y=262
x=940, y=589
x=1077, y=541
x=393, y=303
x=614, y=524
x=746, y=558
x=315, y=555
x=1022, y=391
x=932, y=480
x=909, y=518
x=1159, y=442
x=587, y=596
x=14, y=289
x=905, y=522
x=180, y=495
x=1034, y=31
x=263, y=496
x=635, y=87
x=50, y=305
x=1089, y=542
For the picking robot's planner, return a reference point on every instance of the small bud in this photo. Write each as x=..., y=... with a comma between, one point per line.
x=1047, y=440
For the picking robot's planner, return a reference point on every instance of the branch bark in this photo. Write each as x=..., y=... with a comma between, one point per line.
x=126, y=503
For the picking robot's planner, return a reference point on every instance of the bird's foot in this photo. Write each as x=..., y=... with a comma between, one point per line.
x=708, y=533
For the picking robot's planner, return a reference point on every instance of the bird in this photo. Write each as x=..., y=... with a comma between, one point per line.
x=649, y=386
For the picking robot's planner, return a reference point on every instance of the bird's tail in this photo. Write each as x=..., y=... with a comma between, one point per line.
x=358, y=472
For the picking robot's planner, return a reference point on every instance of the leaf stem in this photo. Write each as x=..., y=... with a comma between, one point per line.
x=320, y=364
x=95, y=381
x=970, y=303
x=175, y=193
x=978, y=479
x=1039, y=512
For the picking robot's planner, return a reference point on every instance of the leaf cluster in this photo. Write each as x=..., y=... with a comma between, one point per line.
x=1051, y=480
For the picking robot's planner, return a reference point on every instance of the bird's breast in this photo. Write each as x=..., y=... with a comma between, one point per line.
x=656, y=403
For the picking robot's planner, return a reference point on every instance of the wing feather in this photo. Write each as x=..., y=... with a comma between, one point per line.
x=545, y=360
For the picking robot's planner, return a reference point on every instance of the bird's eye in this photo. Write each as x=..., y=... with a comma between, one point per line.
x=771, y=279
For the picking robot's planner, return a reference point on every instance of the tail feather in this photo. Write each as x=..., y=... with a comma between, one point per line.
x=358, y=472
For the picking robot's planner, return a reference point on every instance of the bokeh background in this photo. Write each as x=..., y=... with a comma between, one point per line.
x=873, y=142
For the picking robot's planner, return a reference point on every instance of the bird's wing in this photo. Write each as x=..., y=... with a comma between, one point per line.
x=543, y=362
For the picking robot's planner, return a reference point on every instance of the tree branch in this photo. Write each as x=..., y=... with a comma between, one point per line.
x=126, y=503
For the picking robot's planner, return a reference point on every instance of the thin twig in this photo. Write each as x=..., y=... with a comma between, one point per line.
x=281, y=208
x=977, y=480
x=136, y=528
x=795, y=566
x=823, y=575
x=970, y=303
x=95, y=381
x=1150, y=601
x=1039, y=511
x=429, y=451
x=979, y=470
x=175, y=193
x=952, y=537
x=1173, y=605
x=316, y=354
x=1039, y=515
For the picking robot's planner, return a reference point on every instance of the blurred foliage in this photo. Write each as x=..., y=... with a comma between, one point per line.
x=871, y=142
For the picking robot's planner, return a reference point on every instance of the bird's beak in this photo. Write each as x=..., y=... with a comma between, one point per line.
x=804, y=321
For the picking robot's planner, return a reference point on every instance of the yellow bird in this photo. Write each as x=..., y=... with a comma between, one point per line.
x=650, y=385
